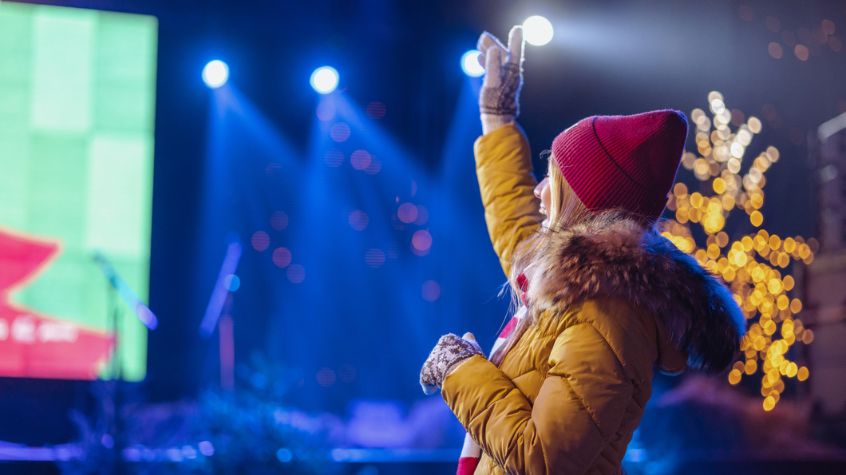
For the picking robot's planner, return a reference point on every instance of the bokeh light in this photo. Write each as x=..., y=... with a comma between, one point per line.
x=360, y=159
x=296, y=273
x=232, y=282
x=358, y=220
x=802, y=52
x=431, y=291
x=374, y=258
x=775, y=50
x=421, y=242
x=206, y=448
x=340, y=132
x=279, y=220
x=828, y=27
x=376, y=110
x=538, y=30
x=284, y=455
x=755, y=265
x=407, y=213
x=281, y=257
x=260, y=241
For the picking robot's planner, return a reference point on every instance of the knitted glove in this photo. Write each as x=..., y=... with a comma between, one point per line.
x=499, y=98
x=449, y=351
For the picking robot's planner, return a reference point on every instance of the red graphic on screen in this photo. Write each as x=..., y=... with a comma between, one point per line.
x=35, y=345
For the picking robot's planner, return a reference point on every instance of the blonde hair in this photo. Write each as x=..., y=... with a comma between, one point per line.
x=565, y=210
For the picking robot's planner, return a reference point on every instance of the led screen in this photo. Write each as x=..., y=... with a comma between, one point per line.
x=77, y=99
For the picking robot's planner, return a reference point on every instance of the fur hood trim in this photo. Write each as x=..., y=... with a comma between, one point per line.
x=614, y=255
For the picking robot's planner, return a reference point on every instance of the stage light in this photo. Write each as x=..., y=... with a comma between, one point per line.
x=537, y=30
x=215, y=74
x=324, y=79
x=470, y=64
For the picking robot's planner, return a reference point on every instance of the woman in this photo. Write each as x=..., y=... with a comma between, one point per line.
x=603, y=297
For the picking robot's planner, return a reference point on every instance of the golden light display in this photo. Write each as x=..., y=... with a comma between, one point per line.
x=755, y=265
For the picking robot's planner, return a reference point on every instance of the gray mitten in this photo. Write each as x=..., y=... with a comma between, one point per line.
x=499, y=99
x=450, y=350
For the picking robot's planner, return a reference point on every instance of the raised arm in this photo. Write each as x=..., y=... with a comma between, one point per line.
x=504, y=170
x=503, y=157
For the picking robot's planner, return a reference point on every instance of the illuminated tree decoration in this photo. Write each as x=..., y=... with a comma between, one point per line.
x=754, y=265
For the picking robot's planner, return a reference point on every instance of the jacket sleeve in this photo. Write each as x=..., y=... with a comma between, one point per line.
x=579, y=409
x=504, y=170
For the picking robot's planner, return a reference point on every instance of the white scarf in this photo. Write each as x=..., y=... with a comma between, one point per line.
x=471, y=449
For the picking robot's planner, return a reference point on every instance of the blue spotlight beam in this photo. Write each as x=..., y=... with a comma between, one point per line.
x=457, y=163
x=376, y=138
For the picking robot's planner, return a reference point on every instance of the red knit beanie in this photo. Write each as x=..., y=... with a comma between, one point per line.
x=623, y=161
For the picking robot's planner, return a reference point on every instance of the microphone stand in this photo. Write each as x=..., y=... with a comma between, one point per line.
x=217, y=314
x=119, y=289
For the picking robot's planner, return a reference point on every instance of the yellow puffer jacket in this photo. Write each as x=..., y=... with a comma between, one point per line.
x=610, y=299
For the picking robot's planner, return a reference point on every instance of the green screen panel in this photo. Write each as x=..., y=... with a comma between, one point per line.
x=77, y=99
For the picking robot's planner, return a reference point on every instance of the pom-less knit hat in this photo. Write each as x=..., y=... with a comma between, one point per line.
x=623, y=161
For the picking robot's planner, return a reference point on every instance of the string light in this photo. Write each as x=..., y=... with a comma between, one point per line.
x=754, y=265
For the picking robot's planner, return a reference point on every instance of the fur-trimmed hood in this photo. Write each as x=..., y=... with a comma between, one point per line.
x=616, y=256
